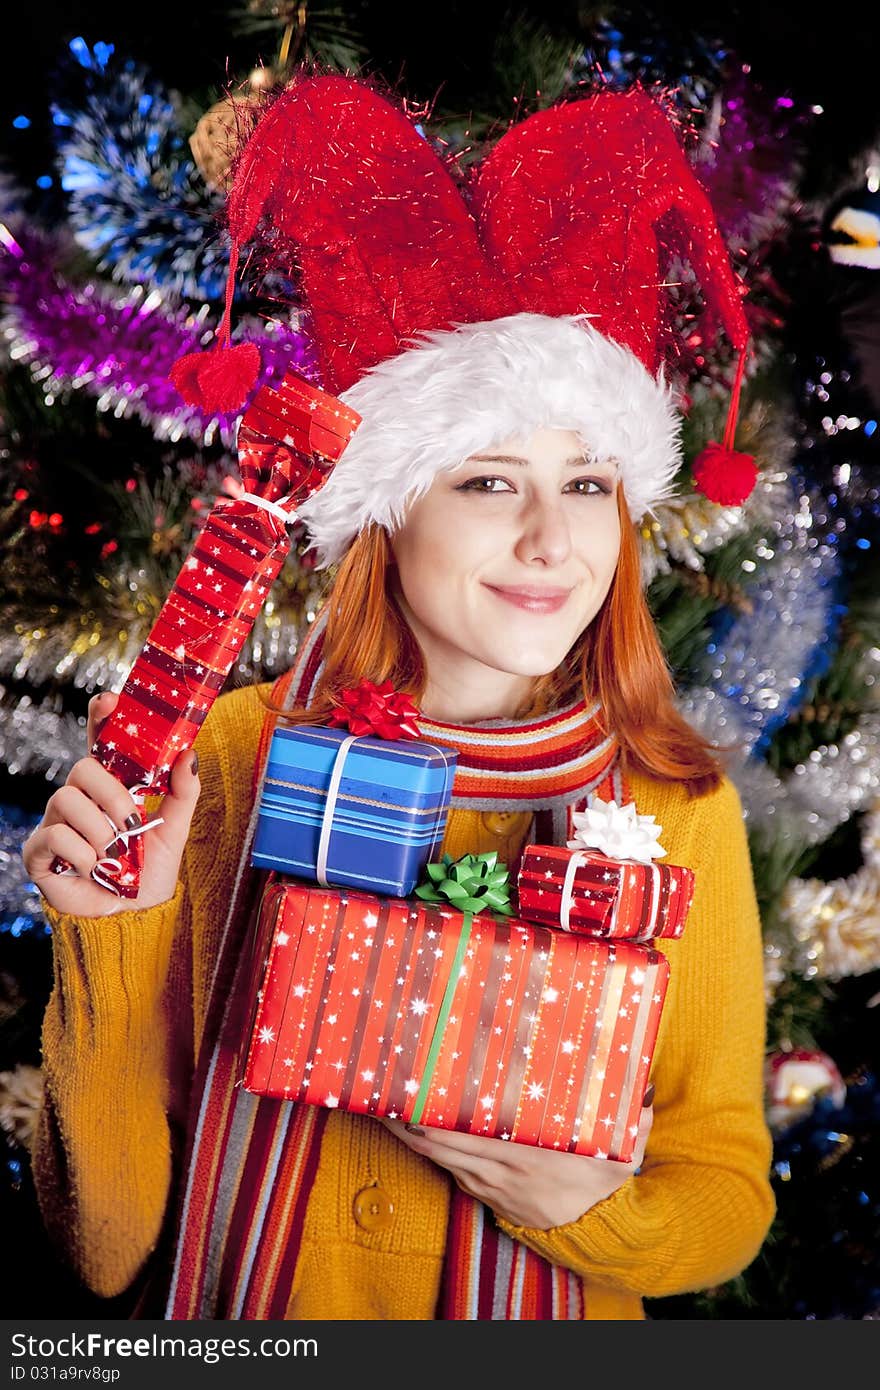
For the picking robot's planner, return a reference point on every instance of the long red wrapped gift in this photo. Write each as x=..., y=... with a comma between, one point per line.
x=480, y=1023
x=288, y=442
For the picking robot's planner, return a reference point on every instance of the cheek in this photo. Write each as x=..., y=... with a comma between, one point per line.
x=601, y=551
x=418, y=551
x=438, y=546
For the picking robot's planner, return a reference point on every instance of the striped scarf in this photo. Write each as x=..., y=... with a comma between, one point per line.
x=251, y=1160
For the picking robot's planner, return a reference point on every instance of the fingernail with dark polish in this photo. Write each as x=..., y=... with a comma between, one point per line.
x=132, y=821
x=649, y=1095
x=414, y=1129
x=194, y=766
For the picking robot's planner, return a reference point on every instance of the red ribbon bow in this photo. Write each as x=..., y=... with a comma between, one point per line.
x=377, y=709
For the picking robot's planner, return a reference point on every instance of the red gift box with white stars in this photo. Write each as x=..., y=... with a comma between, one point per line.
x=488, y=1025
x=615, y=899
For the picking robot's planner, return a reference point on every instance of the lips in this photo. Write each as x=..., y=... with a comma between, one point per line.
x=532, y=598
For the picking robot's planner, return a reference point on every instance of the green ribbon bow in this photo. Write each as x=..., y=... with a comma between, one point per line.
x=469, y=884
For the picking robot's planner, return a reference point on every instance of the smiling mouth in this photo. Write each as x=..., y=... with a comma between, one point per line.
x=533, y=599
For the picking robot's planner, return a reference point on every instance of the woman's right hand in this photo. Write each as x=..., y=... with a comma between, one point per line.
x=75, y=828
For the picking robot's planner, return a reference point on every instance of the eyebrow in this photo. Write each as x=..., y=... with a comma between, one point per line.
x=578, y=461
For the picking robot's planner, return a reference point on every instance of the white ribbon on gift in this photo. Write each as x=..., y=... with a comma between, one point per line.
x=579, y=858
x=102, y=871
x=275, y=509
x=237, y=491
x=333, y=796
x=330, y=807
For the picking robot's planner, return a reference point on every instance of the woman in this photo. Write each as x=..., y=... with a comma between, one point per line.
x=493, y=573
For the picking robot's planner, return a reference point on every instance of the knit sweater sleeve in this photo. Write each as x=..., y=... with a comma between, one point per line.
x=118, y=1047
x=698, y=1210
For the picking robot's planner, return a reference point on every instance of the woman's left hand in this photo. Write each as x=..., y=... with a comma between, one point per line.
x=525, y=1185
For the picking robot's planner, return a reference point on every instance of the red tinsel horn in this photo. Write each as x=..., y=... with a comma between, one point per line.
x=218, y=382
x=722, y=474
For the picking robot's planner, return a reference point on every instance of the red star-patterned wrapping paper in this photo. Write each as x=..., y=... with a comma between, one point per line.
x=289, y=439
x=395, y=1007
x=615, y=899
x=193, y=643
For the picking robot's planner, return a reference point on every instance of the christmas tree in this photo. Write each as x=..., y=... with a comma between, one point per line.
x=113, y=264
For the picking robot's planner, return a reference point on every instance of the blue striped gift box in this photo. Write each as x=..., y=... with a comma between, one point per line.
x=388, y=819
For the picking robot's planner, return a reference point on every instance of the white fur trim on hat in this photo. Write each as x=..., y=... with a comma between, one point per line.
x=465, y=389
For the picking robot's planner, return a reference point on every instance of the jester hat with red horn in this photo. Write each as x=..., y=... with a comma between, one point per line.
x=453, y=317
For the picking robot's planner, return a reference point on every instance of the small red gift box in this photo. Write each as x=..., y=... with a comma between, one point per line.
x=415, y=1011
x=615, y=899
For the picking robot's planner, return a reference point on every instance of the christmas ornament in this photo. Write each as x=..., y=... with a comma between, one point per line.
x=795, y=1080
x=221, y=133
x=851, y=234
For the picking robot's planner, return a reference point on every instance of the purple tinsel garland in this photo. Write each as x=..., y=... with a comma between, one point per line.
x=749, y=158
x=120, y=347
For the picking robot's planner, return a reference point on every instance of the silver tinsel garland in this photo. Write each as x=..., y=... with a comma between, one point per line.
x=39, y=737
x=831, y=930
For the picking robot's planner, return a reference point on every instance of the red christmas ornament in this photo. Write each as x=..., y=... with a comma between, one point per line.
x=377, y=710
x=795, y=1080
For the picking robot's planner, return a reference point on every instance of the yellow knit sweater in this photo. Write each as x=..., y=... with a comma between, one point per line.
x=126, y=1014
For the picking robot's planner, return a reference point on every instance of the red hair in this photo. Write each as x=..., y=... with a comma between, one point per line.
x=618, y=660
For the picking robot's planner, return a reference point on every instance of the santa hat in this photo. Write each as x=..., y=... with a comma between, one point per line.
x=451, y=315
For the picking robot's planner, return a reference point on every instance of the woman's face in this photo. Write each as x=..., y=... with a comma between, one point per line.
x=501, y=565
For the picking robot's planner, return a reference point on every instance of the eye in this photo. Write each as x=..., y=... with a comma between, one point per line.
x=590, y=487
x=485, y=483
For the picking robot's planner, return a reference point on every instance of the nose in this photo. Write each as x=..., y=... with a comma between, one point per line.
x=545, y=537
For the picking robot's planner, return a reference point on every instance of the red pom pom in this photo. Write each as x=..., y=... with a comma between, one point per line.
x=217, y=382
x=725, y=476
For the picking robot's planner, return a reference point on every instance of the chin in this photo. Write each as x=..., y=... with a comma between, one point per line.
x=528, y=662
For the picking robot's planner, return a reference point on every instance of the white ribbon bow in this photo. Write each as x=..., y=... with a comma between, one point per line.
x=616, y=831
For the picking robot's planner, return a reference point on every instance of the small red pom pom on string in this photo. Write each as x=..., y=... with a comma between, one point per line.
x=722, y=474
x=217, y=382
x=725, y=476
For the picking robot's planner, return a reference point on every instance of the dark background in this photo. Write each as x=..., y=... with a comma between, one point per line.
x=823, y=55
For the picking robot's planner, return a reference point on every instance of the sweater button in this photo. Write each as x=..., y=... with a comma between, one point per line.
x=373, y=1209
x=500, y=822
